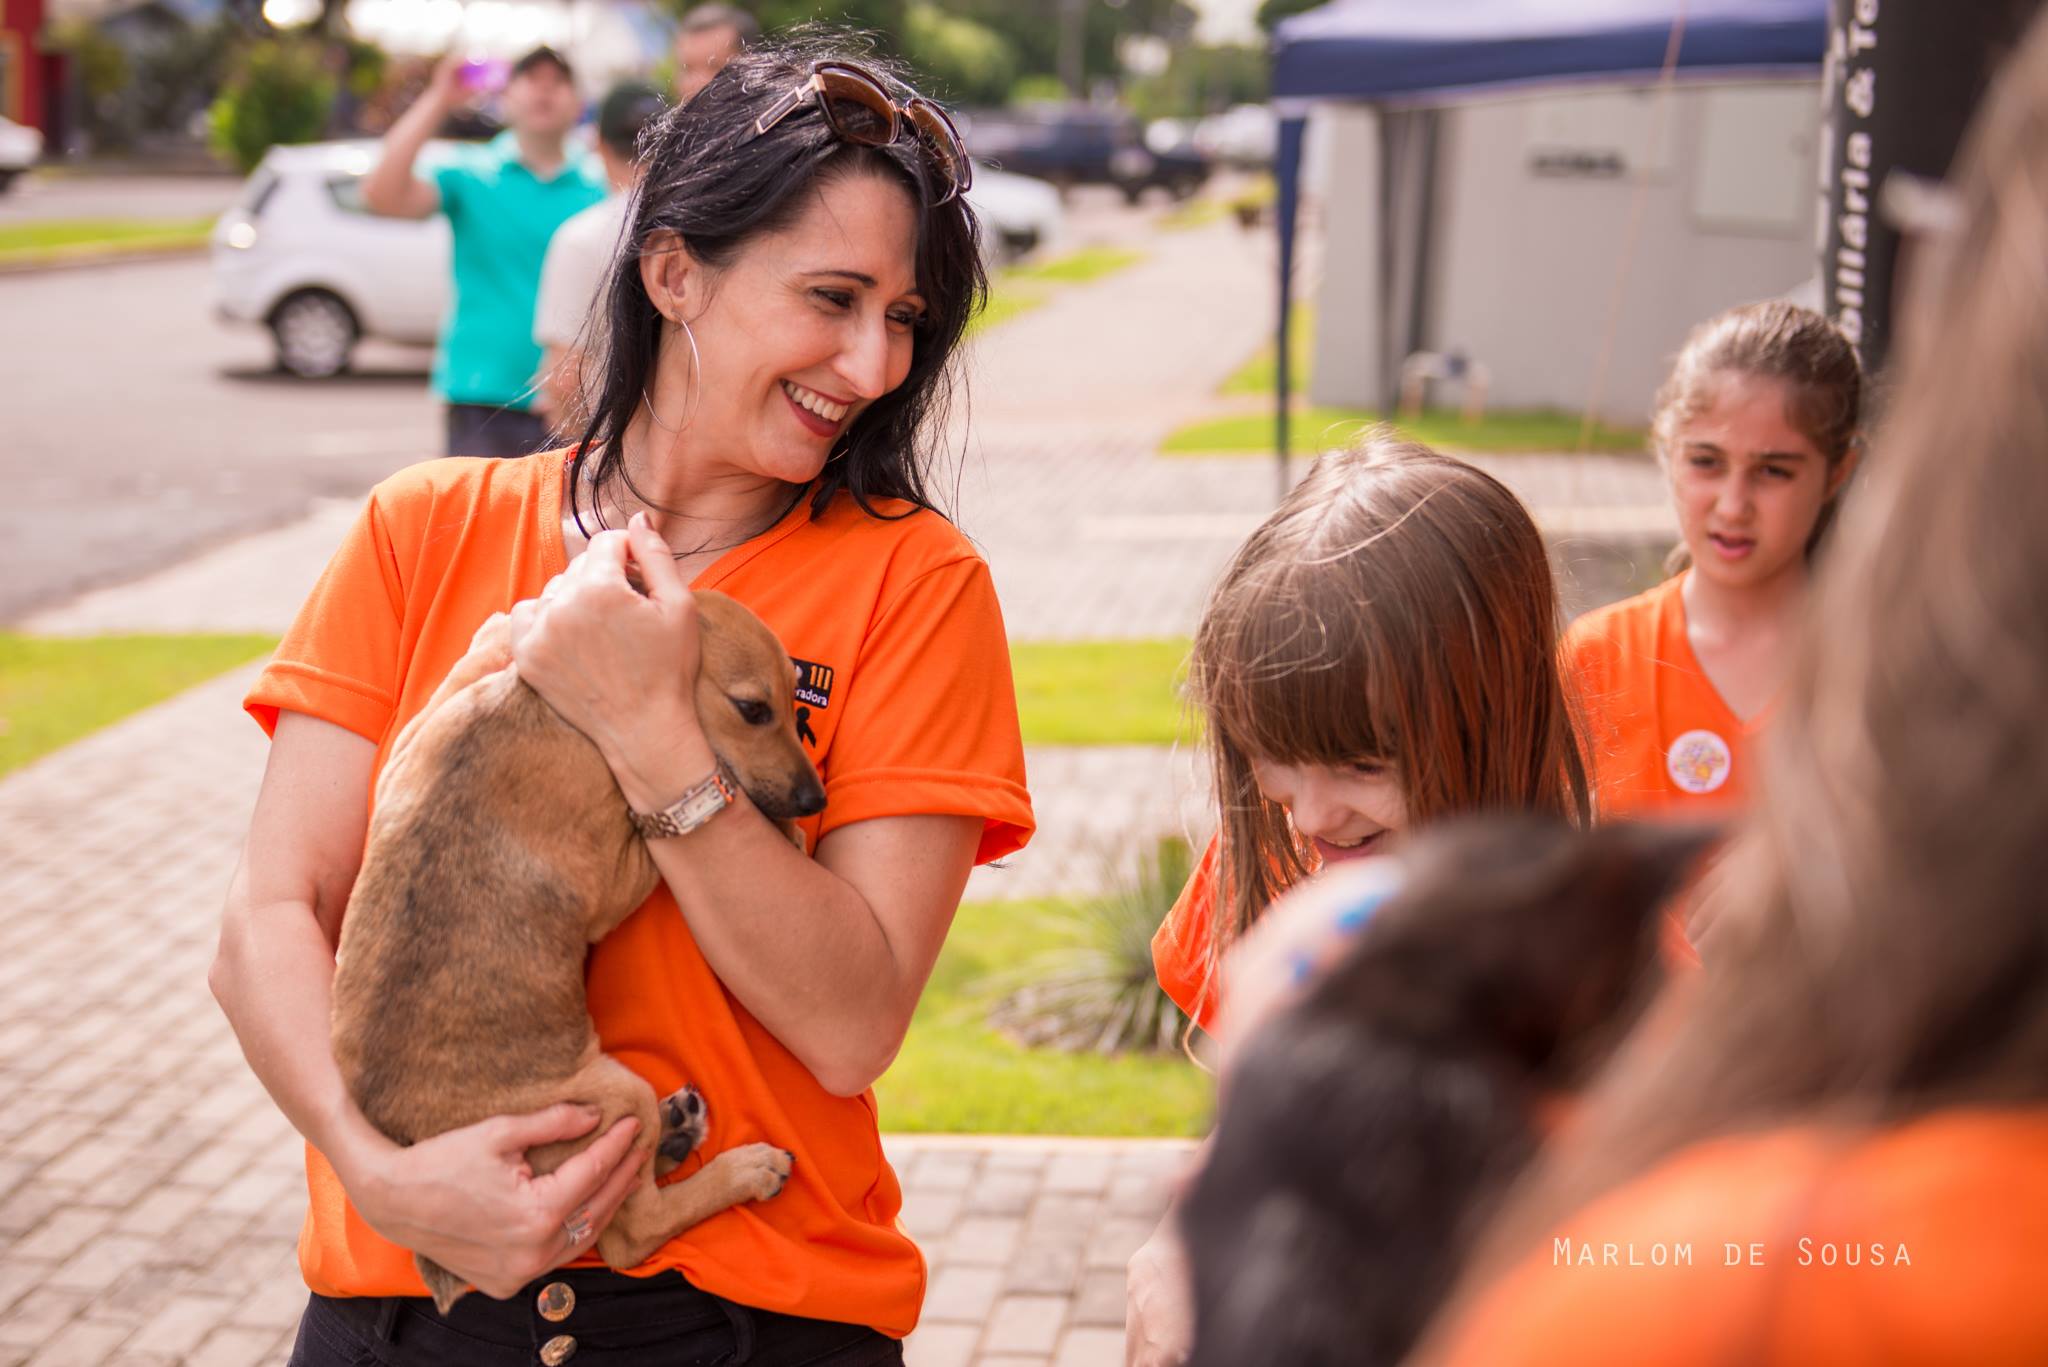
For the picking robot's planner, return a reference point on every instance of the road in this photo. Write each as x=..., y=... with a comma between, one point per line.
x=139, y=430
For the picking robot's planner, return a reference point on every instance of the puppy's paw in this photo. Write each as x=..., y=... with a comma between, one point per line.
x=757, y=1170
x=685, y=1120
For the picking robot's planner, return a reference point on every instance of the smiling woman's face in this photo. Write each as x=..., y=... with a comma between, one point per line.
x=807, y=327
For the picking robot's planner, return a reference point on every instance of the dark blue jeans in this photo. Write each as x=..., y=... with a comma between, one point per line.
x=476, y=429
x=609, y=1320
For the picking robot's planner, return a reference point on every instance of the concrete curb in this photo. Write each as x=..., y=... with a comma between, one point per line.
x=96, y=254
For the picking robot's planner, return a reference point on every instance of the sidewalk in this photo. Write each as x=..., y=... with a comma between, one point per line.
x=149, y=1191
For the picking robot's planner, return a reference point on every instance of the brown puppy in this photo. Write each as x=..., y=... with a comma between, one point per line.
x=500, y=851
x=1366, y=1133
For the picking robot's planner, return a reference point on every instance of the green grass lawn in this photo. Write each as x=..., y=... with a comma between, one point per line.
x=1100, y=692
x=1019, y=289
x=1255, y=376
x=1079, y=267
x=49, y=239
x=1194, y=213
x=1319, y=429
x=54, y=690
x=957, y=1075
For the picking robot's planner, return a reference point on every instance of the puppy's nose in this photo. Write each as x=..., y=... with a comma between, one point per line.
x=809, y=798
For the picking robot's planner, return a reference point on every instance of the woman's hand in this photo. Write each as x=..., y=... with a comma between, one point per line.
x=469, y=1200
x=1159, y=1302
x=619, y=665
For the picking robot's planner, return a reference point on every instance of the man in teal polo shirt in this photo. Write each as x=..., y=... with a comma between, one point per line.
x=503, y=200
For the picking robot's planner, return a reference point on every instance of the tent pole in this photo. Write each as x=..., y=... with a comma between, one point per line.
x=1287, y=185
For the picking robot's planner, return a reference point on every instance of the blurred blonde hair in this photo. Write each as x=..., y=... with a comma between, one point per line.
x=1878, y=948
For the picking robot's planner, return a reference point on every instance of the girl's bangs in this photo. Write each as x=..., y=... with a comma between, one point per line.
x=1293, y=685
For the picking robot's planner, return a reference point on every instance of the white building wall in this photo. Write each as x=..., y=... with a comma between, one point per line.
x=1347, y=299
x=1533, y=223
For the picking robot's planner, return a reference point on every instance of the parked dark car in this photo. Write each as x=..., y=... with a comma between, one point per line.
x=1083, y=145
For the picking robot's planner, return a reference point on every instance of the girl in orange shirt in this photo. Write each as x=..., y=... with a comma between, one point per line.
x=1756, y=430
x=1380, y=654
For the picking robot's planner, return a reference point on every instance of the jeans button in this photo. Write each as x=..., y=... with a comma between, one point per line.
x=557, y=1350
x=556, y=1301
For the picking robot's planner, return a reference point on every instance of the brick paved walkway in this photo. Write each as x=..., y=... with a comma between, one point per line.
x=149, y=1192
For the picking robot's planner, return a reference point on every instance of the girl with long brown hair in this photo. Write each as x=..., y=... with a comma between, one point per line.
x=1380, y=654
x=1844, y=1118
x=1756, y=430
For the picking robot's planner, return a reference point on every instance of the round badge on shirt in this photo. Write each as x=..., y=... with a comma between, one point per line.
x=1698, y=761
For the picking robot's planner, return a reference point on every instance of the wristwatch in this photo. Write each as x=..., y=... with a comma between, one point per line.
x=697, y=805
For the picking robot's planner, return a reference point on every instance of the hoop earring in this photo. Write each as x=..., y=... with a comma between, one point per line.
x=696, y=377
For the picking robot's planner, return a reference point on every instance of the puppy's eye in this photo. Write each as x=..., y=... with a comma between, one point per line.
x=753, y=713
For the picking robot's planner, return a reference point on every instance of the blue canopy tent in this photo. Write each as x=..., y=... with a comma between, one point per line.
x=1402, y=57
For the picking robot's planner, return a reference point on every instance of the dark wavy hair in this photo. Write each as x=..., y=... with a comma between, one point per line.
x=709, y=178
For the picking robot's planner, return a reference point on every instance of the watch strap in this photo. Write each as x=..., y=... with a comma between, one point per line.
x=698, y=804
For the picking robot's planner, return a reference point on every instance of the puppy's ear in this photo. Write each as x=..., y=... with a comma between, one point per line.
x=1530, y=937
x=1594, y=957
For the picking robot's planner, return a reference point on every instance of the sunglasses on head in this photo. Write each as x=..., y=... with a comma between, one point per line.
x=859, y=110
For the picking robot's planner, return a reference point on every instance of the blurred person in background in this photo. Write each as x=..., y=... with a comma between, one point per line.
x=503, y=201
x=1845, y=1115
x=710, y=36
x=580, y=256
x=1757, y=430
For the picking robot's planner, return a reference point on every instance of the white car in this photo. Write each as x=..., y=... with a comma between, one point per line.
x=1245, y=136
x=1017, y=213
x=19, y=148
x=299, y=254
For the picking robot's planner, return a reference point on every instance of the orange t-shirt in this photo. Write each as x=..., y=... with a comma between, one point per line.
x=1945, y=1218
x=1180, y=947
x=1660, y=736
x=906, y=703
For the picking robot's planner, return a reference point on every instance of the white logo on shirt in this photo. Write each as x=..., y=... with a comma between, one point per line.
x=1698, y=761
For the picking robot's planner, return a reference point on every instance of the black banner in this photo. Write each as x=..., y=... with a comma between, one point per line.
x=1903, y=79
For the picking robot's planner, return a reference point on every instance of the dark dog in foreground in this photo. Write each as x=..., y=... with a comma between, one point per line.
x=1368, y=1131
x=501, y=850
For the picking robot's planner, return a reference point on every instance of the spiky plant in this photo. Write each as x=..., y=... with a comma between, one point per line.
x=1096, y=989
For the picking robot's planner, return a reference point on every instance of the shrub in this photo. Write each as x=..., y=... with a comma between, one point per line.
x=1097, y=990
x=280, y=93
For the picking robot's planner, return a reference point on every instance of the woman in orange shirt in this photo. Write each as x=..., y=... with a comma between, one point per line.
x=778, y=331
x=1837, y=1148
x=1380, y=654
x=1756, y=431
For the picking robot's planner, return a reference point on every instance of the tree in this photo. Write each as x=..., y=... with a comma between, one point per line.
x=1202, y=80
x=884, y=18
x=280, y=92
x=958, y=59
x=1028, y=29
x=1271, y=12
